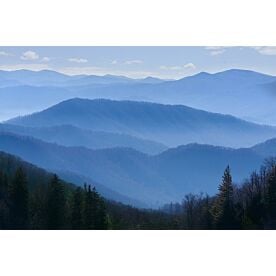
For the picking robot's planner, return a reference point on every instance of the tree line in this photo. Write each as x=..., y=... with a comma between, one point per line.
x=55, y=206
x=251, y=205
x=33, y=199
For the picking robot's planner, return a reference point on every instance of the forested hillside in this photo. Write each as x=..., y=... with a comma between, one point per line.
x=31, y=198
x=130, y=176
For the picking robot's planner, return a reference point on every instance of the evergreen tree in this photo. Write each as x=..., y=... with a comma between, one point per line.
x=19, y=201
x=89, y=208
x=56, y=205
x=101, y=216
x=251, y=200
x=4, y=210
x=223, y=211
x=94, y=210
x=77, y=209
x=3, y=186
x=205, y=214
x=38, y=207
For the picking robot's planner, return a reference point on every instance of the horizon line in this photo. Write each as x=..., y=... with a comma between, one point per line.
x=132, y=78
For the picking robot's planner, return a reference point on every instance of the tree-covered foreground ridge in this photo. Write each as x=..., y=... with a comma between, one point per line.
x=31, y=198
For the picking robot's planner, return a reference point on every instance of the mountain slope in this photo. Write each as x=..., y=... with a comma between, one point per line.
x=241, y=93
x=36, y=78
x=53, y=78
x=267, y=148
x=171, y=125
x=104, y=166
x=67, y=135
x=53, y=158
x=153, y=180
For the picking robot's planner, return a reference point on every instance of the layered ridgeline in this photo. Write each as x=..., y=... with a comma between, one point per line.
x=68, y=135
x=32, y=198
x=171, y=125
x=153, y=180
x=242, y=93
x=52, y=78
x=24, y=91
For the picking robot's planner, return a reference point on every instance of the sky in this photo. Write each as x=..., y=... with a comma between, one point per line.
x=139, y=62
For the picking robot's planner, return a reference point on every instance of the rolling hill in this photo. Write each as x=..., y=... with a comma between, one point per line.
x=53, y=78
x=171, y=125
x=40, y=157
x=68, y=135
x=153, y=180
x=242, y=93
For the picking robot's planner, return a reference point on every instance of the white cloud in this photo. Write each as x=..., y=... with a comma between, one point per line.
x=115, y=61
x=216, y=50
x=133, y=61
x=266, y=50
x=29, y=55
x=188, y=66
x=5, y=54
x=45, y=59
x=78, y=60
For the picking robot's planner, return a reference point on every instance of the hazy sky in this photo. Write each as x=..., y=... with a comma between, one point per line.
x=164, y=62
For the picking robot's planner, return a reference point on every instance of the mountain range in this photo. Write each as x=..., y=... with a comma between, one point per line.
x=143, y=142
x=242, y=93
x=152, y=180
x=171, y=125
x=68, y=135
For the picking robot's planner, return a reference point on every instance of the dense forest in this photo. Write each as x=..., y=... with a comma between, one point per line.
x=31, y=198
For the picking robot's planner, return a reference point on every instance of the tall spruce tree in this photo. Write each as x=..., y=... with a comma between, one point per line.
x=56, y=205
x=3, y=186
x=4, y=210
x=89, y=208
x=94, y=210
x=77, y=209
x=223, y=211
x=19, y=201
x=100, y=216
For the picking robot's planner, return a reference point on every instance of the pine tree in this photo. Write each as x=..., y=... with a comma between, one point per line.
x=77, y=209
x=4, y=210
x=38, y=207
x=101, y=216
x=89, y=209
x=3, y=186
x=94, y=210
x=223, y=210
x=56, y=205
x=19, y=201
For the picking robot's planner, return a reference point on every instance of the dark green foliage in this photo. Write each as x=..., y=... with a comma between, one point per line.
x=77, y=209
x=252, y=194
x=94, y=210
x=31, y=198
x=4, y=210
x=271, y=198
x=56, y=205
x=223, y=209
x=19, y=201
